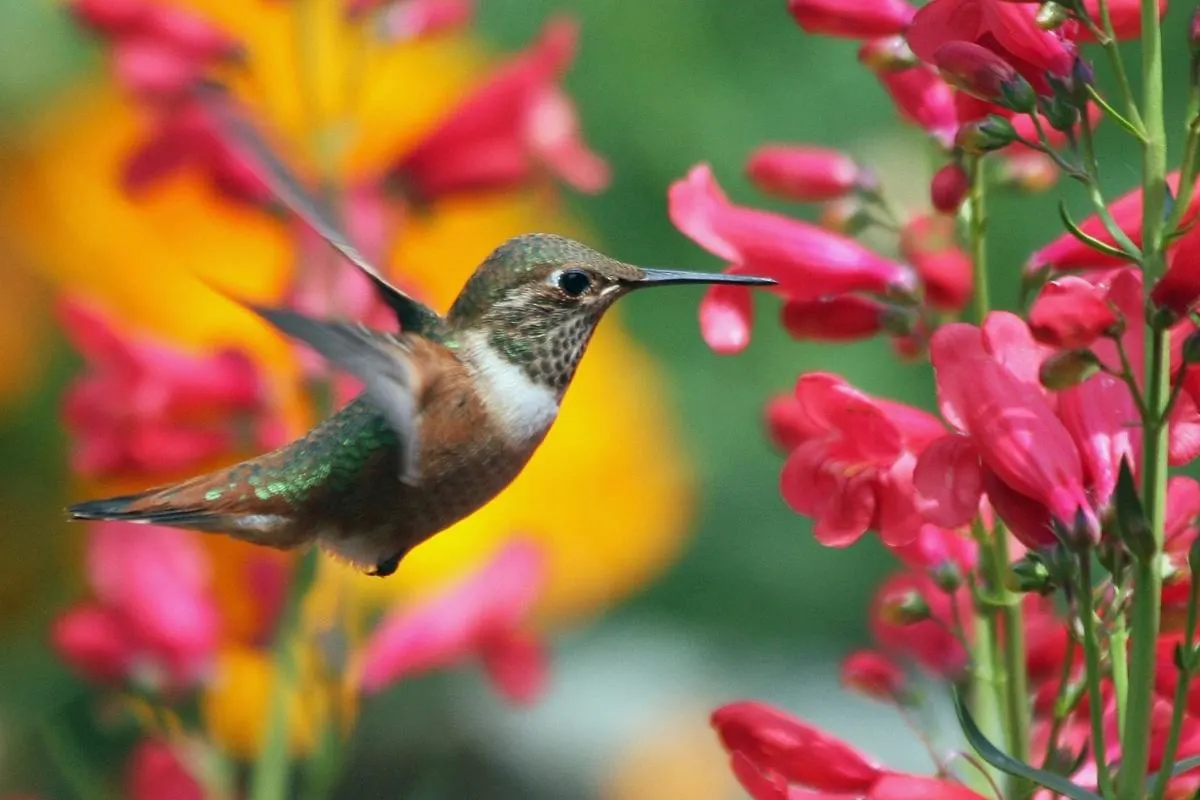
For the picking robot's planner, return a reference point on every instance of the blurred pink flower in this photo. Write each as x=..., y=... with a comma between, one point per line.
x=859, y=20
x=924, y=99
x=481, y=616
x=155, y=617
x=873, y=674
x=155, y=772
x=1070, y=313
x=142, y=408
x=406, y=20
x=949, y=187
x=851, y=470
x=843, y=318
x=804, y=173
x=496, y=135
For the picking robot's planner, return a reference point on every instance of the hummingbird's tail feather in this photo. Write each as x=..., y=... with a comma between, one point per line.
x=199, y=505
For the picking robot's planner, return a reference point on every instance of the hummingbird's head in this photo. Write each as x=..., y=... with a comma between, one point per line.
x=538, y=298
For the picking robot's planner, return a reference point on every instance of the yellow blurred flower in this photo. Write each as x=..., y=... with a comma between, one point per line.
x=679, y=757
x=153, y=261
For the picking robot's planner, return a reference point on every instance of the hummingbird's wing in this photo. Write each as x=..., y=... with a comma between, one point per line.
x=380, y=360
x=237, y=130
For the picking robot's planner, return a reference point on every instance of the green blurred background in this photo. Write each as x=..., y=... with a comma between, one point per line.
x=755, y=608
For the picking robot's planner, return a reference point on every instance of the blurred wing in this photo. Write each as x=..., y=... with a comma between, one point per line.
x=381, y=361
x=245, y=140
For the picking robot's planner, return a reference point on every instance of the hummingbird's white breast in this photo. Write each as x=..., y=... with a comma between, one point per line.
x=520, y=406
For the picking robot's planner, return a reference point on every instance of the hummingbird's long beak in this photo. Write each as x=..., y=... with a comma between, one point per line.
x=667, y=277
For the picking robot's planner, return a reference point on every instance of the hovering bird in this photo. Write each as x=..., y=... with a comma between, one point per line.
x=452, y=410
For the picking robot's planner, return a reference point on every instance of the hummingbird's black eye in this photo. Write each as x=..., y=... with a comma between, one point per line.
x=574, y=282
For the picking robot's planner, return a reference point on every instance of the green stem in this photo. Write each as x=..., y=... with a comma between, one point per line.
x=1091, y=651
x=1191, y=153
x=1091, y=181
x=1178, y=710
x=1109, y=42
x=978, y=208
x=72, y=768
x=1118, y=650
x=1147, y=582
x=269, y=780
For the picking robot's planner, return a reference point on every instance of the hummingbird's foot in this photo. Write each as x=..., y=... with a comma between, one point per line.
x=387, y=566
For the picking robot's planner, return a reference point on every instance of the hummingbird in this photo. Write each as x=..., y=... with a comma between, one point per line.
x=452, y=408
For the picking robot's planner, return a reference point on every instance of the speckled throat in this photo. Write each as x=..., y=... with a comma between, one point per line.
x=549, y=352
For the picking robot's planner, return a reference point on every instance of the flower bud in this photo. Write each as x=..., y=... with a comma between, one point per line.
x=1191, y=348
x=981, y=73
x=842, y=318
x=947, y=576
x=805, y=174
x=846, y=215
x=1060, y=113
x=1032, y=575
x=1052, y=16
x=984, y=136
x=1070, y=313
x=887, y=54
x=904, y=608
x=1068, y=368
x=859, y=20
x=949, y=187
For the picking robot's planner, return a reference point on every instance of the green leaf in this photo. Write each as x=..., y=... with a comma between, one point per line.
x=1005, y=763
x=1132, y=524
x=1115, y=115
x=1087, y=238
x=1180, y=767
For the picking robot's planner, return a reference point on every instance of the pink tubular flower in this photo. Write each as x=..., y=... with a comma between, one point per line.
x=1007, y=29
x=481, y=617
x=1179, y=288
x=496, y=135
x=804, y=173
x=924, y=99
x=860, y=20
x=977, y=71
x=780, y=745
x=777, y=757
x=873, y=674
x=987, y=389
x=1070, y=313
x=809, y=263
x=144, y=409
x=155, y=772
x=155, y=618
x=1126, y=16
x=852, y=470
x=1068, y=253
x=844, y=318
x=946, y=271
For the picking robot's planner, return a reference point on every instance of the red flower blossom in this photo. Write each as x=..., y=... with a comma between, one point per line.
x=946, y=271
x=874, y=675
x=1007, y=29
x=155, y=619
x=481, y=616
x=144, y=409
x=776, y=757
x=1126, y=16
x=809, y=263
x=924, y=99
x=844, y=318
x=804, y=173
x=499, y=132
x=852, y=472
x=981, y=73
x=1070, y=313
x=988, y=390
x=155, y=772
x=780, y=745
x=860, y=20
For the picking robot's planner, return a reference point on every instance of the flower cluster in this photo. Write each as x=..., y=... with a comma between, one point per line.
x=204, y=627
x=1044, y=474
